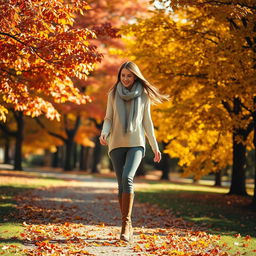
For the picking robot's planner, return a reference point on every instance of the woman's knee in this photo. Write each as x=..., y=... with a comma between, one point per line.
x=127, y=182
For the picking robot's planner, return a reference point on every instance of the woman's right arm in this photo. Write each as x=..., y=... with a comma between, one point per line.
x=149, y=129
x=107, y=120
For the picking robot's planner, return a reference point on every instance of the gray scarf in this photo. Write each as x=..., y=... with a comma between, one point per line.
x=129, y=120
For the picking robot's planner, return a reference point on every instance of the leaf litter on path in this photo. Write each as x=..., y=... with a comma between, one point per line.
x=83, y=218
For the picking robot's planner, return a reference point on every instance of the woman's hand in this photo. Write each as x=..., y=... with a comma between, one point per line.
x=158, y=156
x=103, y=140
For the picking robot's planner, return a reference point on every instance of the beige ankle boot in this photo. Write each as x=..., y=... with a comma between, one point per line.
x=127, y=204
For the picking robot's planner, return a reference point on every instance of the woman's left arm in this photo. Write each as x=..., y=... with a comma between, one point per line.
x=149, y=129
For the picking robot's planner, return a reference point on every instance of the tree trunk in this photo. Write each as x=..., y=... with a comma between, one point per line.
x=56, y=158
x=68, y=166
x=69, y=141
x=74, y=155
x=7, y=159
x=47, y=157
x=84, y=158
x=165, y=166
x=62, y=156
x=195, y=181
x=19, y=139
x=254, y=192
x=238, y=170
x=217, y=179
x=254, y=143
x=89, y=158
x=81, y=158
x=239, y=159
x=96, y=155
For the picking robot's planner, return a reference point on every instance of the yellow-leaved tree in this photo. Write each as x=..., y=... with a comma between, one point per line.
x=202, y=53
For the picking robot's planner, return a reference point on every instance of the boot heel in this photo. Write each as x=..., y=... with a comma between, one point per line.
x=125, y=233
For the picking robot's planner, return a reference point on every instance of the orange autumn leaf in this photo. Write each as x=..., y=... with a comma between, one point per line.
x=41, y=50
x=137, y=248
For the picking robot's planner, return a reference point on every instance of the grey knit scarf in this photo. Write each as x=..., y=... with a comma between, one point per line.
x=129, y=120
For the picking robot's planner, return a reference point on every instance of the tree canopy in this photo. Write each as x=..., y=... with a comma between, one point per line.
x=40, y=52
x=202, y=54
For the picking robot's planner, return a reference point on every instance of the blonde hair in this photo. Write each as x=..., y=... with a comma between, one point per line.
x=153, y=93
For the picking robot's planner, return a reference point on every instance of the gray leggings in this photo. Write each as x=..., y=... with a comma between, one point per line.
x=126, y=162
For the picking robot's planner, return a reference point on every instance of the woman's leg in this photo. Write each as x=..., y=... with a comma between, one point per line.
x=133, y=159
x=132, y=162
x=118, y=157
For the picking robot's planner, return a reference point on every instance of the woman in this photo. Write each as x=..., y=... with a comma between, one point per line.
x=126, y=122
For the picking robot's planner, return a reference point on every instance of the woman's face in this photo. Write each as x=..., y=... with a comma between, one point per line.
x=127, y=78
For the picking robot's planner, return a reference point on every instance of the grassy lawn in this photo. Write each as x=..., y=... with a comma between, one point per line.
x=13, y=183
x=209, y=207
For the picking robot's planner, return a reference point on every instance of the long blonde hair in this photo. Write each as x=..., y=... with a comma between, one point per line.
x=153, y=93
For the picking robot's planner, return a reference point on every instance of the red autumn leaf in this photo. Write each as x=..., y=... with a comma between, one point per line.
x=248, y=237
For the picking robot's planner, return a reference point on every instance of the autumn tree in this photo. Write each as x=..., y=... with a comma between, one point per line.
x=240, y=15
x=200, y=54
x=71, y=129
x=41, y=51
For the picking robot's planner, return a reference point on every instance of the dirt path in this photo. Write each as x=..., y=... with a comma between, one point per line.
x=83, y=218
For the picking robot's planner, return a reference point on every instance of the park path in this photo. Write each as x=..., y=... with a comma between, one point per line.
x=82, y=218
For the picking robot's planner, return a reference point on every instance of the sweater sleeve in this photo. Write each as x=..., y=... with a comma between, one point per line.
x=108, y=117
x=149, y=127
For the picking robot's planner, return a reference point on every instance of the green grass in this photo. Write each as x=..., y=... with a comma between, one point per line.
x=11, y=185
x=9, y=237
x=10, y=228
x=209, y=207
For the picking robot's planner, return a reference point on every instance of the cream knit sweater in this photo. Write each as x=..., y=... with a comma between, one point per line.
x=112, y=127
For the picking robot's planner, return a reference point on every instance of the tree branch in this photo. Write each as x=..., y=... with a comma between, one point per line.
x=249, y=110
x=232, y=22
x=227, y=106
x=33, y=48
x=249, y=129
x=204, y=34
x=78, y=119
x=98, y=126
x=49, y=132
x=230, y=3
x=15, y=38
x=72, y=132
x=6, y=130
x=204, y=76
